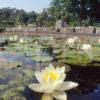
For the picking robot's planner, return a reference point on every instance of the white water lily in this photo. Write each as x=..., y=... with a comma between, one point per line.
x=36, y=42
x=51, y=83
x=85, y=47
x=70, y=41
x=13, y=38
x=51, y=38
x=22, y=41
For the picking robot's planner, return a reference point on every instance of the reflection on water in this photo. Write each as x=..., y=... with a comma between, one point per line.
x=90, y=95
x=89, y=84
x=9, y=57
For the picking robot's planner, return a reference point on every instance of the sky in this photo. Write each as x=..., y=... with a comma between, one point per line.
x=27, y=5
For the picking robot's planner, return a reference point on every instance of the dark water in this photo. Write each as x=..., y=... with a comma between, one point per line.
x=89, y=83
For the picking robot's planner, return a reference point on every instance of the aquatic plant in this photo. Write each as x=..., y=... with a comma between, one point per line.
x=11, y=93
x=22, y=41
x=28, y=73
x=10, y=64
x=87, y=48
x=2, y=87
x=13, y=38
x=51, y=83
x=42, y=58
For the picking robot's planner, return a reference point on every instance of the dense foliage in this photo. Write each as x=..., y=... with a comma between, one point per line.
x=11, y=17
x=78, y=12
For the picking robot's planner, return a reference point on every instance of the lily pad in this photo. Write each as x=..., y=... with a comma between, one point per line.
x=10, y=64
x=42, y=58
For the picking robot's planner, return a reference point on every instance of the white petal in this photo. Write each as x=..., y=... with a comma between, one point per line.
x=51, y=66
x=36, y=87
x=47, y=97
x=42, y=88
x=62, y=77
x=59, y=95
x=62, y=69
x=66, y=86
x=38, y=76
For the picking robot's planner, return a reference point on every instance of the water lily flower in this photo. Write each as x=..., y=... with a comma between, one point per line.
x=51, y=83
x=85, y=47
x=15, y=38
x=11, y=39
x=36, y=42
x=21, y=41
x=51, y=38
x=70, y=41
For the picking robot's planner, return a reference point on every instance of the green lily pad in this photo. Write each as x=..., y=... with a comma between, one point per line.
x=9, y=64
x=42, y=58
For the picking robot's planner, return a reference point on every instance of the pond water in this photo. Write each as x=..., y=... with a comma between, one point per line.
x=89, y=84
x=14, y=80
x=9, y=74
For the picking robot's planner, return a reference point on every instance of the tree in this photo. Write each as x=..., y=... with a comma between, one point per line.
x=32, y=17
x=22, y=17
x=43, y=18
x=77, y=10
x=11, y=17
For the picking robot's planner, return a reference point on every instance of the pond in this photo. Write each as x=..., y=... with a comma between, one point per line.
x=19, y=61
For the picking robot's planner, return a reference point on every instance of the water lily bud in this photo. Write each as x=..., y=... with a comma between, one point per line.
x=47, y=97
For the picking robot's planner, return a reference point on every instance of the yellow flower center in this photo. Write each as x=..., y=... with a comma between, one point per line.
x=50, y=75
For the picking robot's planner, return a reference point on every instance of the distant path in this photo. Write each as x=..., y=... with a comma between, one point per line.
x=55, y=34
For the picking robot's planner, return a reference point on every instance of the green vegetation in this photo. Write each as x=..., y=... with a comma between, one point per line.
x=10, y=17
x=73, y=12
x=16, y=87
x=9, y=64
x=11, y=93
x=42, y=58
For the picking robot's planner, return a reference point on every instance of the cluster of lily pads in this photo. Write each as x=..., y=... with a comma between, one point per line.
x=28, y=47
x=65, y=50
x=76, y=50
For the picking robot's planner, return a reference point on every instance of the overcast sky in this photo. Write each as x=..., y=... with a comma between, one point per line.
x=27, y=5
